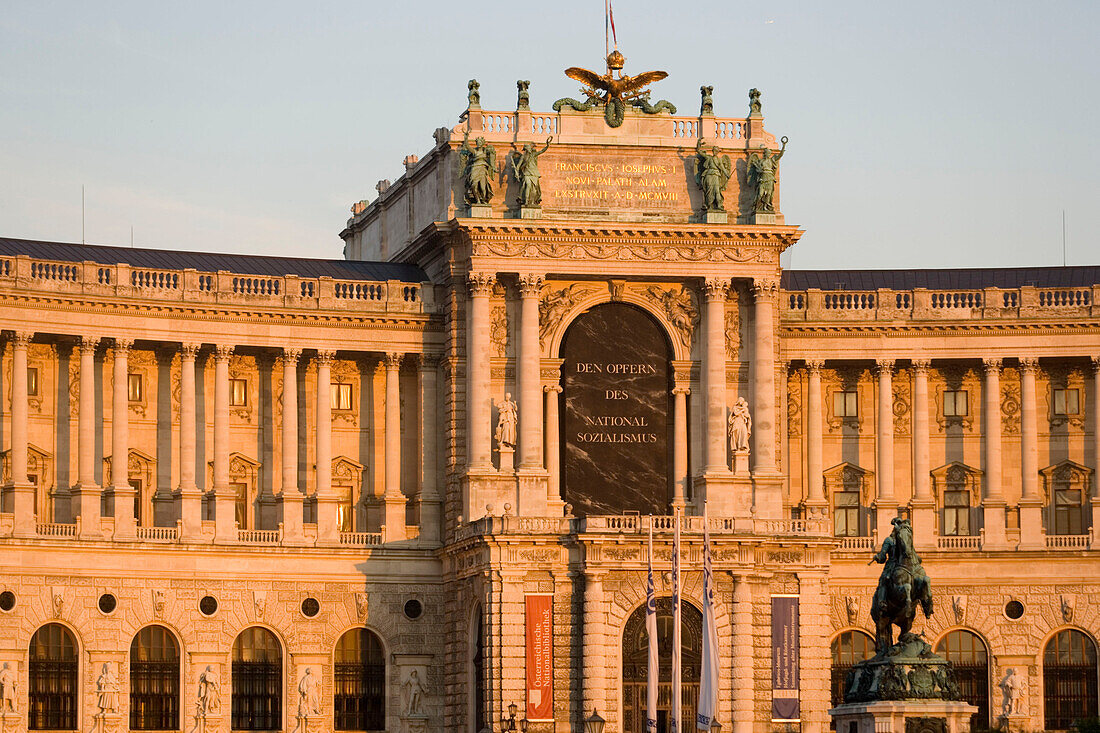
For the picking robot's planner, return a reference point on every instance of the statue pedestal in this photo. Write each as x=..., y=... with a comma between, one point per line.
x=1015, y=723
x=11, y=722
x=741, y=463
x=106, y=722
x=530, y=212
x=481, y=211
x=717, y=217
x=414, y=724
x=759, y=217
x=726, y=495
x=507, y=459
x=903, y=716
x=309, y=724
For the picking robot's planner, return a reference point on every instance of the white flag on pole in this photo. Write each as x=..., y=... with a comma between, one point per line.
x=708, y=676
x=675, y=725
x=652, y=670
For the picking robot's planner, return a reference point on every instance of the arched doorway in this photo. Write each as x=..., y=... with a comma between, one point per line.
x=968, y=653
x=636, y=665
x=1069, y=679
x=359, y=682
x=616, y=427
x=154, y=680
x=53, y=674
x=257, y=702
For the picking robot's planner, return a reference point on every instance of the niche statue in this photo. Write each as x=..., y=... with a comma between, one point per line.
x=525, y=167
x=479, y=166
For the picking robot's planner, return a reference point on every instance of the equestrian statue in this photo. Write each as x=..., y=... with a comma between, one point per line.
x=901, y=586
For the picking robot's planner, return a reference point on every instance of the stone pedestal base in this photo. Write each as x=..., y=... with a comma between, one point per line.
x=741, y=463
x=530, y=212
x=1015, y=723
x=903, y=716
x=106, y=722
x=489, y=489
x=717, y=217
x=11, y=722
x=759, y=217
x=726, y=495
x=507, y=459
x=481, y=211
x=1031, y=525
x=994, y=521
x=309, y=724
x=414, y=724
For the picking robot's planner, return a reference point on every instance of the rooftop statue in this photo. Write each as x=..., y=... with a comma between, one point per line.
x=712, y=173
x=614, y=92
x=523, y=96
x=706, y=106
x=473, y=96
x=762, y=171
x=754, y=101
x=525, y=167
x=479, y=167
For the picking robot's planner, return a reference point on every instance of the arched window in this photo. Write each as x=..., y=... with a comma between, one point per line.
x=635, y=665
x=477, y=670
x=848, y=647
x=359, y=678
x=967, y=652
x=257, y=681
x=53, y=673
x=154, y=680
x=1069, y=679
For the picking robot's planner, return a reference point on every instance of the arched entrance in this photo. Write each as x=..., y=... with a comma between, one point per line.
x=616, y=431
x=636, y=665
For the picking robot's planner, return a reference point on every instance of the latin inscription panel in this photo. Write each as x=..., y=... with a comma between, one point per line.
x=616, y=417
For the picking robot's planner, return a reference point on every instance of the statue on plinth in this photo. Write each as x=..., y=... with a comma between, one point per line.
x=762, y=172
x=479, y=167
x=414, y=694
x=208, y=692
x=523, y=96
x=506, y=422
x=1012, y=688
x=901, y=586
x=525, y=167
x=754, y=101
x=473, y=95
x=309, y=694
x=712, y=173
x=706, y=105
x=106, y=689
x=740, y=426
x=9, y=681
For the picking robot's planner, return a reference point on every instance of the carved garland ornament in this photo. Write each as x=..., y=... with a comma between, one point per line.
x=625, y=252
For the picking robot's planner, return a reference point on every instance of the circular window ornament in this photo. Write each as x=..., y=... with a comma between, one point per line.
x=208, y=606
x=107, y=603
x=7, y=601
x=413, y=609
x=1014, y=610
x=310, y=607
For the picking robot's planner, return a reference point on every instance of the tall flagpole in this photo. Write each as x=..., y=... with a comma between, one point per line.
x=707, y=708
x=652, y=668
x=606, y=20
x=676, y=725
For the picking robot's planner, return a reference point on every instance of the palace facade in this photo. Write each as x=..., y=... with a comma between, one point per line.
x=402, y=491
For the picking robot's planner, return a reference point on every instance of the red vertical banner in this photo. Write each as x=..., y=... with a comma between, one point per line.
x=540, y=657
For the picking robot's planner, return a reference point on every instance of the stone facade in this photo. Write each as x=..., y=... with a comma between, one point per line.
x=971, y=410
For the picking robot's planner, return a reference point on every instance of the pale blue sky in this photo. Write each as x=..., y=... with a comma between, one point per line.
x=932, y=134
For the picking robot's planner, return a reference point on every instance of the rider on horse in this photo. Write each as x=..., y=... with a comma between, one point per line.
x=901, y=585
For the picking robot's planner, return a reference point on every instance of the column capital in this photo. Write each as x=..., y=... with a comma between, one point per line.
x=88, y=344
x=1029, y=364
x=921, y=366
x=291, y=354
x=392, y=359
x=716, y=288
x=325, y=357
x=548, y=388
x=884, y=365
x=991, y=365
x=480, y=283
x=764, y=287
x=681, y=390
x=222, y=352
x=1096, y=364
x=22, y=338
x=123, y=345
x=430, y=360
x=189, y=351
x=814, y=366
x=530, y=284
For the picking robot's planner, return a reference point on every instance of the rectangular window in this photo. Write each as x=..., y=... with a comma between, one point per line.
x=238, y=392
x=846, y=404
x=241, y=511
x=956, y=513
x=136, y=484
x=1068, y=512
x=846, y=514
x=1066, y=402
x=32, y=381
x=135, y=387
x=955, y=403
x=341, y=396
x=345, y=510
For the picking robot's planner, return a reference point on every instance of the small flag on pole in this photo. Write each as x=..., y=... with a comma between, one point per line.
x=611, y=17
x=675, y=723
x=652, y=670
x=707, y=708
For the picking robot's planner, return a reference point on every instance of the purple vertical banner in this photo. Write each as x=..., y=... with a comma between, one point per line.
x=785, y=659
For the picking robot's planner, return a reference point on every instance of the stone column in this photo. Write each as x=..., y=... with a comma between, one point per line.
x=680, y=476
x=594, y=662
x=1031, y=508
x=125, y=521
x=431, y=507
x=86, y=493
x=190, y=496
x=1095, y=517
x=23, y=492
x=815, y=491
x=922, y=507
x=225, y=499
x=993, y=503
x=886, y=504
x=327, y=503
x=743, y=680
x=291, y=498
x=553, y=450
x=715, y=292
x=393, y=516
x=527, y=372
x=478, y=400
x=763, y=378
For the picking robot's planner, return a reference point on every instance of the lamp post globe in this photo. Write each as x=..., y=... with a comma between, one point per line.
x=594, y=723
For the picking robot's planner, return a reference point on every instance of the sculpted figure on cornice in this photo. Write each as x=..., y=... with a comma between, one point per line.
x=733, y=324
x=901, y=403
x=498, y=329
x=762, y=172
x=479, y=166
x=679, y=307
x=555, y=303
x=712, y=173
x=525, y=167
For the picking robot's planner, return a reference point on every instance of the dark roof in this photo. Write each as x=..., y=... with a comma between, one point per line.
x=166, y=259
x=946, y=279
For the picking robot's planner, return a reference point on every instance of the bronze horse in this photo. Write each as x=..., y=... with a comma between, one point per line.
x=901, y=586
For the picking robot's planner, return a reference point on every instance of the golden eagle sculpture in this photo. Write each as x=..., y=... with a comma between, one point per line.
x=614, y=92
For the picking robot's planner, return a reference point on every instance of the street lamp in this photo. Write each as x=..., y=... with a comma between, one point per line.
x=594, y=723
x=715, y=726
x=509, y=723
